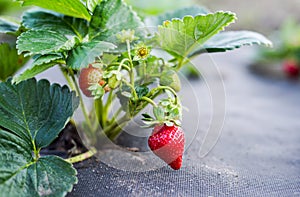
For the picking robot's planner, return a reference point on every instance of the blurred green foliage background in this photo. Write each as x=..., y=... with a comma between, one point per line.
x=9, y=7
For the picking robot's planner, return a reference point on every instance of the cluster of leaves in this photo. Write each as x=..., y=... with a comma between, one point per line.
x=82, y=34
x=75, y=42
x=74, y=34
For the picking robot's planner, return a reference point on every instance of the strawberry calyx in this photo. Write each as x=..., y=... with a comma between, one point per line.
x=168, y=111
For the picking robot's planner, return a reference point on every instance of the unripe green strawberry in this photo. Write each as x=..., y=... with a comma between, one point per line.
x=113, y=82
x=167, y=142
x=170, y=78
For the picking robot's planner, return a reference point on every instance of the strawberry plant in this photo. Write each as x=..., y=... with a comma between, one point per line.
x=286, y=51
x=106, y=53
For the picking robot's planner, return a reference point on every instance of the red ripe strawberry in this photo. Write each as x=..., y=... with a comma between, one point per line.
x=168, y=144
x=291, y=68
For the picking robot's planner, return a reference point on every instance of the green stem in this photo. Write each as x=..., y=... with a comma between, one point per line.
x=167, y=88
x=109, y=130
x=132, y=89
x=35, y=151
x=171, y=90
x=184, y=61
x=115, y=116
x=67, y=77
x=124, y=65
x=110, y=98
x=116, y=131
x=105, y=109
x=82, y=156
x=74, y=29
x=99, y=111
x=121, y=65
x=163, y=88
x=128, y=50
x=131, y=64
x=144, y=68
x=149, y=101
x=82, y=106
x=143, y=105
x=180, y=64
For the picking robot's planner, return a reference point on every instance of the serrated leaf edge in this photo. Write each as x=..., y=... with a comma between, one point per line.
x=206, y=15
x=228, y=13
x=28, y=53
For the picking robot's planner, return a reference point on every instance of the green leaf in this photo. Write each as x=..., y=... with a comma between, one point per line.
x=86, y=53
x=179, y=13
x=36, y=111
x=45, y=20
x=32, y=72
x=46, y=59
x=10, y=61
x=67, y=7
x=231, y=40
x=109, y=58
x=79, y=26
x=22, y=176
x=15, y=152
x=43, y=42
x=40, y=19
x=111, y=17
x=181, y=37
x=33, y=114
x=8, y=26
x=40, y=64
x=91, y=4
x=141, y=91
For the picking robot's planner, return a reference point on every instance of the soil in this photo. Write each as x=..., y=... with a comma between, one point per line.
x=67, y=144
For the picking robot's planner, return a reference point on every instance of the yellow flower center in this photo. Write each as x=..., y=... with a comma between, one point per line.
x=142, y=52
